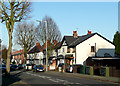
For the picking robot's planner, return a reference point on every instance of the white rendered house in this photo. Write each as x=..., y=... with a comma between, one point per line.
x=92, y=45
x=35, y=55
x=82, y=47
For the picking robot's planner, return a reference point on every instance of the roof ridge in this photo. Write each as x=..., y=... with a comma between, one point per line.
x=80, y=38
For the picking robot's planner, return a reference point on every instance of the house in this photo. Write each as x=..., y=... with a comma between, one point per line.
x=52, y=61
x=35, y=55
x=76, y=49
x=18, y=57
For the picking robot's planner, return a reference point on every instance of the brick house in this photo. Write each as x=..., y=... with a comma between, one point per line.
x=18, y=56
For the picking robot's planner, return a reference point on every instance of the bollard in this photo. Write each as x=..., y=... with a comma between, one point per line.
x=91, y=70
x=107, y=72
x=83, y=69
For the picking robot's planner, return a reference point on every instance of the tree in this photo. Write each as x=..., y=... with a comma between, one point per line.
x=53, y=33
x=116, y=42
x=25, y=36
x=4, y=52
x=11, y=12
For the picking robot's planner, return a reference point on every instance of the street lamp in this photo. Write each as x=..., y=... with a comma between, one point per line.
x=46, y=40
x=46, y=43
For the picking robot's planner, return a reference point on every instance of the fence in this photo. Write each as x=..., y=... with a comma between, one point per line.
x=97, y=70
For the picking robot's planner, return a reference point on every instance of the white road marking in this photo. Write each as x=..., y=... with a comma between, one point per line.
x=53, y=80
x=77, y=83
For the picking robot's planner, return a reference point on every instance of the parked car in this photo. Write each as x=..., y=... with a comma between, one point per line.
x=13, y=67
x=28, y=66
x=3, y=68
x=38, y=68
x=69, y=68
x=61, y=67
x=61, y=64
x=20, y=66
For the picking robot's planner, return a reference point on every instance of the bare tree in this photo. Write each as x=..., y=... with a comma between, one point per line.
x=11, y=12
x=53, y=32
x=25, y=36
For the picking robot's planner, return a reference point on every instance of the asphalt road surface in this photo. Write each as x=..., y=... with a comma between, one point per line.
x=44, y=78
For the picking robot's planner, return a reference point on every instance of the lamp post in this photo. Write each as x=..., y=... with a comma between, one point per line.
x=46, y=41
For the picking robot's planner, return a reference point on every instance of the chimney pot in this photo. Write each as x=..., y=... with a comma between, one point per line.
x=75, y=34
x=89, y=32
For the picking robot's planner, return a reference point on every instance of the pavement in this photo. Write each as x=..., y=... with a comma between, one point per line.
x=13, y=79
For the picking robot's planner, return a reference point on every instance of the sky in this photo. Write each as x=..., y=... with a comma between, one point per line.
x=100, y=17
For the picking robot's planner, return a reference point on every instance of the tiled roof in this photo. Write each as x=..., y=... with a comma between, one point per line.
x=18, y=52
x=70, y=39
x=72, y=42
x=58, y=45
x=85, y=37
x=36, y=48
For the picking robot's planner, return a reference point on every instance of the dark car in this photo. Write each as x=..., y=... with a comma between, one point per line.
x=61, y=64
x=3, y=68
x=13, y=67
x=38, y=68
x=70, y=68
x=20, y=66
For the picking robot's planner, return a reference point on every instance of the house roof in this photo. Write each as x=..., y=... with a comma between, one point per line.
x=58, y=45
x=36, y=48
x=19, y=52
x=68, y=40
x=85, y=37
x=39, y=48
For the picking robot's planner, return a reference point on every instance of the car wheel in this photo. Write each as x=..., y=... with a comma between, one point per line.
x=35, y=70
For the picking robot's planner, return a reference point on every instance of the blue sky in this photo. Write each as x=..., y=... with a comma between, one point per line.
x=101, y=17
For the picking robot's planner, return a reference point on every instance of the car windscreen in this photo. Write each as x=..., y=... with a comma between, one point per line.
x=28, y=65
x=39, y=66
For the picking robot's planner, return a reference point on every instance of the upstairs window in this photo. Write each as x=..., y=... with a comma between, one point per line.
x=92, y=48
x=68, y=50
x=63, y=50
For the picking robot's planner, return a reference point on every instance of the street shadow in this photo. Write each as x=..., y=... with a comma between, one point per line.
x=11, y=79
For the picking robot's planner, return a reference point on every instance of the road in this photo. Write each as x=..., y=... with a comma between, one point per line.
x=52, y=78
x=48, y=78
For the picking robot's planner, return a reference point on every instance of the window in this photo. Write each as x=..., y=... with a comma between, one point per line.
x=63, y=50
x=68, y=50
x=92, y=48
x=58, y=50
x=107, y=55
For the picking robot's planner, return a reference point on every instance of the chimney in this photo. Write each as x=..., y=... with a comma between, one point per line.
x=38, y=44
x=89, y=32
x=75, y=34
x=55, y=42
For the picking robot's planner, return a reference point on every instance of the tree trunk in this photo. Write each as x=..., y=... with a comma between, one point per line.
x=25, y=55
x=9, y=54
